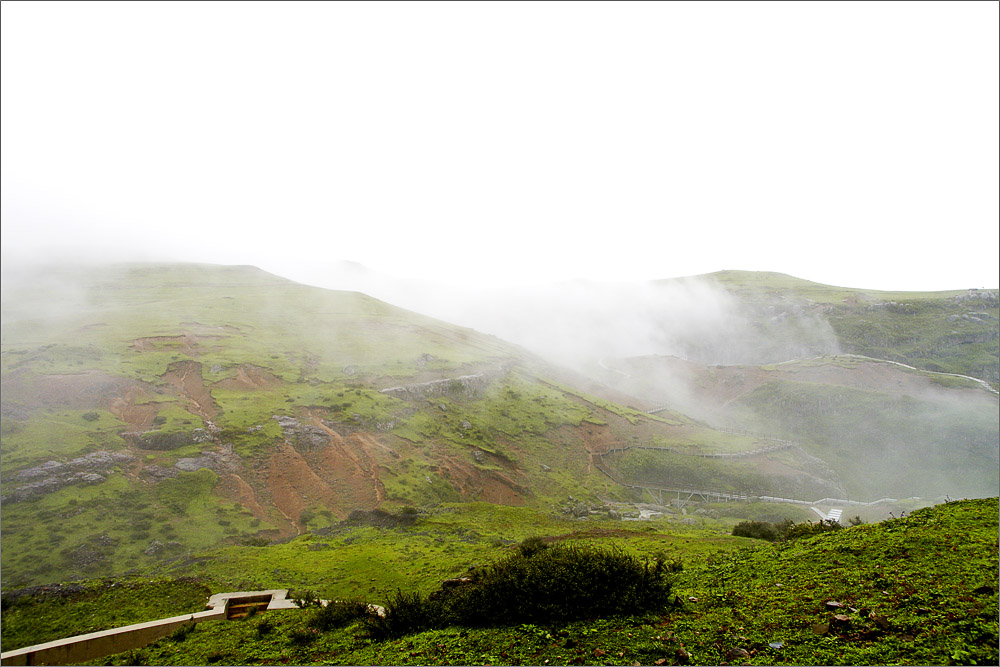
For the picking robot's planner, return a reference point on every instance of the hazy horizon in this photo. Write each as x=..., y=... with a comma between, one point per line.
x=487, y=144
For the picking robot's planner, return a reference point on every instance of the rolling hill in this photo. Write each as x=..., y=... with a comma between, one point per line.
x=151, y=412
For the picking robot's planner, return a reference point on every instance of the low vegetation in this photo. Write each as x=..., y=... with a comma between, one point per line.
x=918, y=589
x=536, y=584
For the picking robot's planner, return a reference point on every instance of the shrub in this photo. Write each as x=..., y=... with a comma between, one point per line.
x=530, y=546
x=537, y=584
x=264, y=627
x=809, y=529
x=91, y=416
x=338, y=613
x=302, y=636
x=759, y=530
x=303, y=599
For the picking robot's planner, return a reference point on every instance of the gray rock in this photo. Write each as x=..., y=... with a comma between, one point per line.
x=224, y=460
x=154, y=547
x=737, y=654
x=465, y=385
x=45, y=469
x=200, y=435
x=158, y=473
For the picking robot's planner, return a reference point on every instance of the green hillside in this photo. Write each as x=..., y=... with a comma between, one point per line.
x=152, y=411
x=916, y=589
x=951, y=332
x=883, y=429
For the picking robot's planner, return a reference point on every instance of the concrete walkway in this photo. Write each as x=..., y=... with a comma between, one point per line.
x=81, y=648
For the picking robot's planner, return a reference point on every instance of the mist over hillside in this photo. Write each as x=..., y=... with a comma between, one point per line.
x=728, y=317
x=153, y=410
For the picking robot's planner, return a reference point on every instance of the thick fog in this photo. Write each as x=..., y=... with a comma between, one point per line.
x=580, y=323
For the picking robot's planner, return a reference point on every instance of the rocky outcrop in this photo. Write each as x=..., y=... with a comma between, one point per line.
x=53, y=475
x=303, y=437
x=468, y=386
x=166, y=441
x=222, y=461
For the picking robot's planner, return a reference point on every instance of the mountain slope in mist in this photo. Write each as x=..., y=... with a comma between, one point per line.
x=728, y=317
x=886, y=429
x=152, y=410
x=149, y=411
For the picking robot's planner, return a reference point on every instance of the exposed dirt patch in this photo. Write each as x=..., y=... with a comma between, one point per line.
x=492, y=486
x=235, y=488
x=351, y=466
x=250, y=377
x=186, y=380
x=135, y=409
x=294, y=486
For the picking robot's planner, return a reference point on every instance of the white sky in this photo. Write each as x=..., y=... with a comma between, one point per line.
x=491, y=143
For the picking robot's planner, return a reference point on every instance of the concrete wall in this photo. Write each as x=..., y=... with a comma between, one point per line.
x=81, y=648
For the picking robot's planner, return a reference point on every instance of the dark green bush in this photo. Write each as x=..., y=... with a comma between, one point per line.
x=406, y=613
x=759, y=530
x=546, y=585
x=338, y=613
x=302, y=636
x=809, y=529
x=264, y=627
x=531, y=545
x=91, y=416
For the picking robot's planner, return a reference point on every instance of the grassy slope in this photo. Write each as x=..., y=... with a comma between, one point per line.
x=326, y=353
x=922, y=329
x=38, y=615
x=344, y=561
x=886, y=430
x=921, y=589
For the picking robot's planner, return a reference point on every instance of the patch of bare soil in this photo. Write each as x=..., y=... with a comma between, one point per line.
x=487, y=485
x=234, y=487
x=351, y=466
x=135, y=409
x=186, y=380
x=294, y=486
x=250, y=377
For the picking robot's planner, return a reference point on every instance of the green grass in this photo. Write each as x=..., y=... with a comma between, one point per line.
x=922, y=329
x=345, y=562
x=54, y=612
x=915, y=590
x=57, y=434
x=884, y=444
